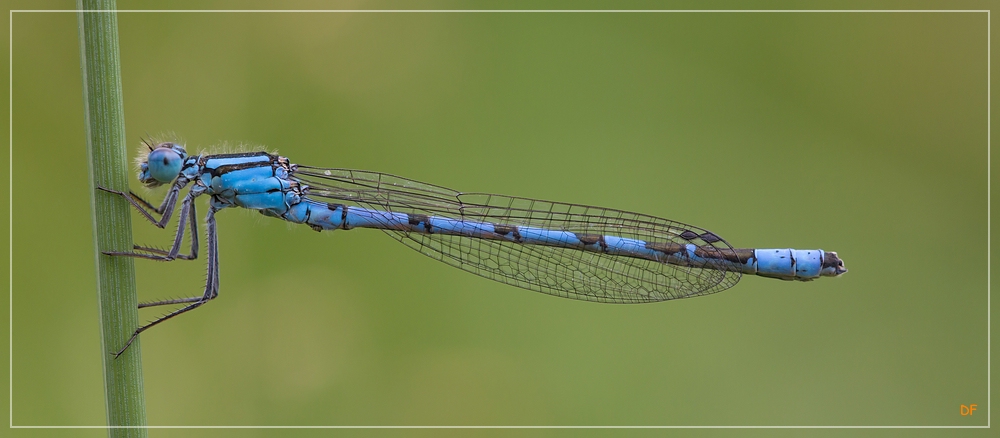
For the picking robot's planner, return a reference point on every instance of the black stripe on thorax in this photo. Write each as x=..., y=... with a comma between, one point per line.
x=236, y=155
x=224, y=169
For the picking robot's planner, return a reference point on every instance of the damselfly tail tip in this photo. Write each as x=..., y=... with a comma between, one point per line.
x=833, y=266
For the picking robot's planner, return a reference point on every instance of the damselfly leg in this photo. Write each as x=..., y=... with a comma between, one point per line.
x=187, y=216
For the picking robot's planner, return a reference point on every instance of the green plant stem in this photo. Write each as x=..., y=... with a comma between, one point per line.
x=119, y=315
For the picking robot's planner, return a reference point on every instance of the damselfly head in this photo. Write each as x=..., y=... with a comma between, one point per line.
x=162, y=164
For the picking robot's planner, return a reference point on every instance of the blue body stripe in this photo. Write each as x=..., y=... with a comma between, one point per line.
x=456, y=227
x=630, y=247
x=260, y=182
x=367, y=218
x=786, y=263
x=217, y=161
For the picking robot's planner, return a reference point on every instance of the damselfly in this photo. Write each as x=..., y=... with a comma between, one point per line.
x=568, y=250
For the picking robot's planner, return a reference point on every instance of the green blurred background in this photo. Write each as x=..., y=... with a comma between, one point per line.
x=861, y=133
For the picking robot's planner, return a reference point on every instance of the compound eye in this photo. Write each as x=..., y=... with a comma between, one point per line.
x=164, y=164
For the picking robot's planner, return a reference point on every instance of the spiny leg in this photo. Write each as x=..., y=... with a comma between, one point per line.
x=168, y=302
x=211, y=285
x=166, y=208
x=192, y=218
x=194, y=255
x=187, y=215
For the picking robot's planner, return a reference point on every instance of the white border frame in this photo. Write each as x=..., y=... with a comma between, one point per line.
x=10, y=199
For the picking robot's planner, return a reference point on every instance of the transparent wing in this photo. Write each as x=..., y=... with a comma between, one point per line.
x=565, y=272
